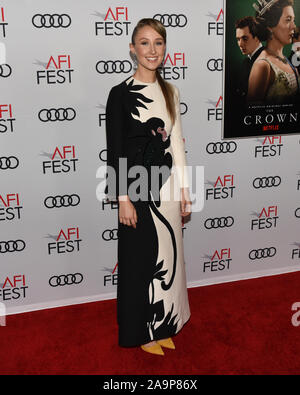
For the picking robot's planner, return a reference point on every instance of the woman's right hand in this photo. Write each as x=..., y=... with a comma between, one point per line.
x=127, y=212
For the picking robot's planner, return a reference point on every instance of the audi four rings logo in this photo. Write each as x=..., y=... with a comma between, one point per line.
x=183, y=108
x=215, y=64
x=297, y=212
x=110, y=234
x=103, y=155
x=223, y=222
x=266, y=182
x=48, y=20
x=57, y=114
x=12, y=246
x=5, y=70
x=172, y=20
x=113, y=66
x=221, y=148
x=262, y=253
x=10, y=162
x=61, y=201
x=66, y=279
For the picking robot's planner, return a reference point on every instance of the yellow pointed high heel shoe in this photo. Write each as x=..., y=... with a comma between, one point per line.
x=156, y=349
x=168, y=343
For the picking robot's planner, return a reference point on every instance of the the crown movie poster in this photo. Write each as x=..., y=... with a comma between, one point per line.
x=261, y=68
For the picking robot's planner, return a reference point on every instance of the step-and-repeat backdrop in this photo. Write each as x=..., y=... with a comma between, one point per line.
x=58, y=241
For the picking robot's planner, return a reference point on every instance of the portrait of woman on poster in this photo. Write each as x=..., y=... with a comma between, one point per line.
x=273, y=78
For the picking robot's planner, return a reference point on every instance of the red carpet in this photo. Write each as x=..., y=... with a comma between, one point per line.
x=236, y=328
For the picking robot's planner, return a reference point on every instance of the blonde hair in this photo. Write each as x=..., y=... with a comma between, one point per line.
x=166, y=88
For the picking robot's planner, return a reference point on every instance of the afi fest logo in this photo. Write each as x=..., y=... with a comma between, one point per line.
x=215, y=111
x=296, y=251
x=6, y=118
x=14, y=287
x=62, y=160
x=217, y=26
x=220, y=260
x=3, y=23
x=270, y=146
x=115, y=22
x=222, y=188
x=102, y=115
x=112, y=278
x=174, y=66
x=298, y=182
x=61, y=74
x=67, y=241
x=266, y=219
x=12, y=208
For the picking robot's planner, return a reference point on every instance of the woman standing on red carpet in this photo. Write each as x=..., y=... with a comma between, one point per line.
x=143, y=128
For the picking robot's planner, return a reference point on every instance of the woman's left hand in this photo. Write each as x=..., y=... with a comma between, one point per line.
x=185, y=204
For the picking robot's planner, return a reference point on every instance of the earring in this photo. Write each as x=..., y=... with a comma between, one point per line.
x=271, y=32
x=135, y=59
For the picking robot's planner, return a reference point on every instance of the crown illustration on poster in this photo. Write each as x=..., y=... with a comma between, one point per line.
x=264, y=6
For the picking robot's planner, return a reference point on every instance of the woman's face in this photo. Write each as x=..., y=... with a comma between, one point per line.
x=285, y=29
x=149, y=48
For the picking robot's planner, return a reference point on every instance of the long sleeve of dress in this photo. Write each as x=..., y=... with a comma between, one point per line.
x=115, y=142
x=178, y=147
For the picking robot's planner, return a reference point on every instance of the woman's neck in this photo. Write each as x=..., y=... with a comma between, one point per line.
x=276, y=47
x=145, y=75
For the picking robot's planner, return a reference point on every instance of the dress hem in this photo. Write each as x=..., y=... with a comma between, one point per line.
x=147, y=341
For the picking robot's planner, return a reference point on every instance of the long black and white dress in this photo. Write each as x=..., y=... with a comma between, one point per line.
x=152, y=298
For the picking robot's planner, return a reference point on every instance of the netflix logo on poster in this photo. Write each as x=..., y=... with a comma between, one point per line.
x=10, y=208
x=13, y=287
x=220, y=260
x=174, y=66
x=270, y=146
x=67, y=241
x=266, y=218
x=6, y=118
x=216, y=26
x=61, y=74
x=215, y=110
x=115, y=22
x=62, y=160
x=3, y=23
x=112, y=278
x=222, y=188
